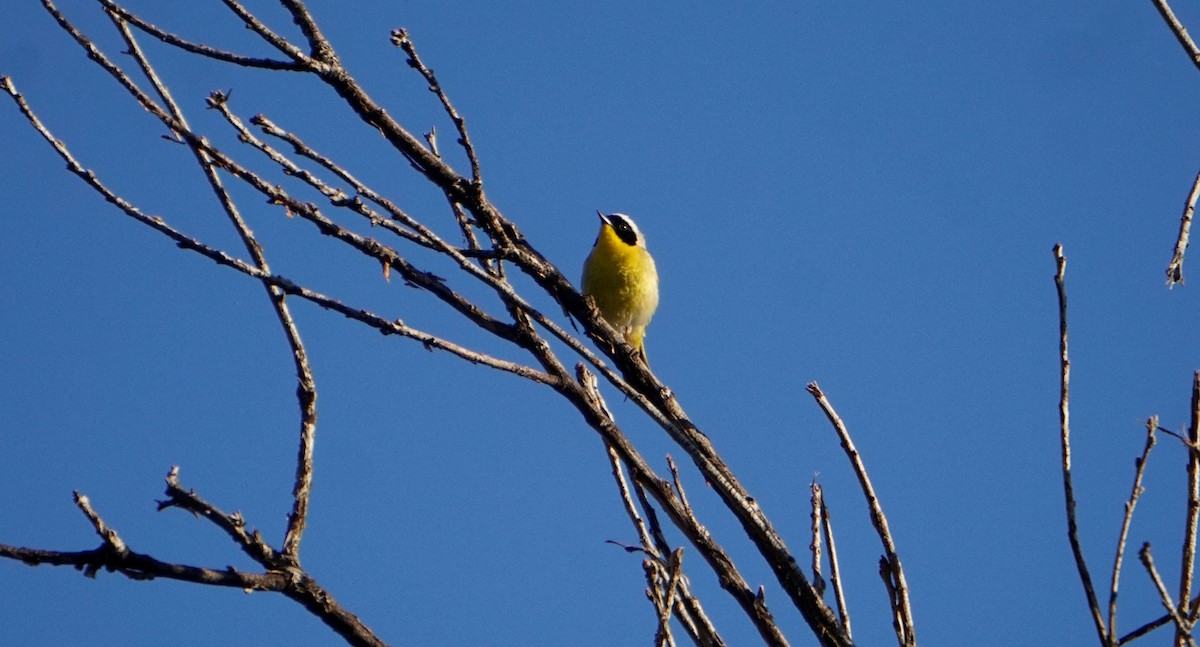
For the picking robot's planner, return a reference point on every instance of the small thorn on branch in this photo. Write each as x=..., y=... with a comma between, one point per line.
x=431, y=137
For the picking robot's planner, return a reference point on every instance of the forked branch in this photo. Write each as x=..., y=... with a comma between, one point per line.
x=891, y=570
x=520, y=325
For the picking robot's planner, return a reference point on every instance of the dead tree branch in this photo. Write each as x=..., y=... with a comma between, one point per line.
x=1064, y=419
x=1188, y=565
x=1134, y=494
x=519, y=325
x=891, y=569
x=1183, y=628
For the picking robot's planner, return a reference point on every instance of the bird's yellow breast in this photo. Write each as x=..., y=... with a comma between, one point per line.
x=623, y=281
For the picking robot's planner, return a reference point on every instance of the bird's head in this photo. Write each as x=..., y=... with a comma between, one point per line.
x=624, y=228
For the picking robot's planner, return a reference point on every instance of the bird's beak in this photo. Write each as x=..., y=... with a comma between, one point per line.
x=603, y=218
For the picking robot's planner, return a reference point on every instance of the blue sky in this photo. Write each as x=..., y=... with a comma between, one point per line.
x=861, y=194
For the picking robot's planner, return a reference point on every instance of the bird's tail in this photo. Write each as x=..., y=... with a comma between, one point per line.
x=637, y=339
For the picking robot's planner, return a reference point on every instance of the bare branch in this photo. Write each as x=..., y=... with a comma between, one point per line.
x=137, y=566
x=251, y=542
x=1134, y=494
x=1175, y=268
x=1177, y=28
x=100, y=59
x=1064, y=418
x=300, y=587
x=110, y=537
x=889, y=584
x=894, y=575
x=815, y=500
x=1151, y=626
x=321, y=49
x=1144, y=629
x=834, y=573
x=113, y=555
x=1188, y=564
x=198, y=48
x=401, y=39
x=337, y=197
x=679, y=486
x=636, y=519
x=1183, y=629
x=275, y=40
x=663, y=579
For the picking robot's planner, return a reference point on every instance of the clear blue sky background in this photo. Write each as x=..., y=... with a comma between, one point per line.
x=861, y=194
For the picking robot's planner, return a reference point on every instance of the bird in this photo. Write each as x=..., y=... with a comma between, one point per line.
x=619, y=275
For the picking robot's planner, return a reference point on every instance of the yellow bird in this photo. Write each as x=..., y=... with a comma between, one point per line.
x=620, y=276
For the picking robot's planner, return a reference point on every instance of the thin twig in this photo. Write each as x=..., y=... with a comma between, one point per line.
x=889, y=584
x=198, y=48
x=1145, y=629
x=656, y=582
x=1181, y=33
x=1175, y=268
x=662, y=547
x=905, y=629
x=1188, y=564
x=668, y=591
x=639, y=524
x=401, y=39
x=815, y=501
x=1064, y=419
x=678, y=484
x=1195, y=449
x=140, y=567
x=1152, y=625
x=835, y=574
x=1134, y=494
x=250, y=541
x=110, y=537
x=280, y=43
x=1183, y=629
x=493, y=265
